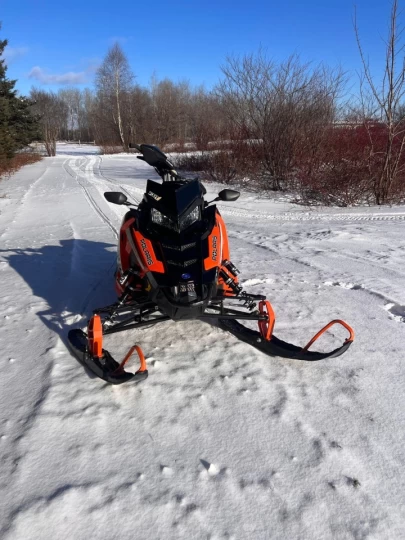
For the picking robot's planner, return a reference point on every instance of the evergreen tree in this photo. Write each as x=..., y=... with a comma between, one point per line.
x=18, y=126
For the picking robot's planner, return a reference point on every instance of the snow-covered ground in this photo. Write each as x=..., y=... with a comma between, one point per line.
x=221, y=441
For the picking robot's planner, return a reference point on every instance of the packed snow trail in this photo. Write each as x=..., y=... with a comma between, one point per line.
x=221, y=441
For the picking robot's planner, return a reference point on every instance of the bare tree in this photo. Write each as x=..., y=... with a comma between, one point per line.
x=170, y=102
x=74, y=102
x=383, y=102
x=88, y=117
x=280, y=106
x=53, y=113
x=141, y=124
x=207, y=121
x=113, y=83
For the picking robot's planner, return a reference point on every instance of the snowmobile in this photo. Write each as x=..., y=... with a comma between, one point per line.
x=173, y=263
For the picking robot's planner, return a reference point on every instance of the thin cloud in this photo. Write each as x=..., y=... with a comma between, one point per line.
x=13, y=53
x=71, y=77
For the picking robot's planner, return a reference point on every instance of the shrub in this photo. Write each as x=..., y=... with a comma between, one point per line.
x=10, y=166
x=111, y=149
x=345, y=169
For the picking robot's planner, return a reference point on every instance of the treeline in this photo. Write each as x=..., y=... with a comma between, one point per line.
x=281, y=125
x=119, y=112
x=167, y=113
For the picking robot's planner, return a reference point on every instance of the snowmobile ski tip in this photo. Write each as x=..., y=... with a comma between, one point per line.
x=105, y=366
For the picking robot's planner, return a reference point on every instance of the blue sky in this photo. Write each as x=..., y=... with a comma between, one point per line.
x=52, y=44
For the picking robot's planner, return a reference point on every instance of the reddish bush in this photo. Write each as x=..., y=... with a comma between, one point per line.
x=10, y=166
x=225, y=166
x=346, y=167
x=216, y=165
x=341, y=166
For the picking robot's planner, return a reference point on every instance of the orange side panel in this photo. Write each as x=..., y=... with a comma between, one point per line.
x=127, y=224
x=214, y=249
x=125, y=247
x=218, y=247
x=147, y=253
x=224, y=238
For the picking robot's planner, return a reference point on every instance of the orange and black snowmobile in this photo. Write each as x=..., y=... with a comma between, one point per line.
x=174, y=264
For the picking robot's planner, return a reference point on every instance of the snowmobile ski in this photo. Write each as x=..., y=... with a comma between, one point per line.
x=277, y=347
x=102, y=363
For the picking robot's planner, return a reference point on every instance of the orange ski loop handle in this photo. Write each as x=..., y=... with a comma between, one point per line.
x=336, y=321
x=95, y=336
x=128, y=356
x=266, y=325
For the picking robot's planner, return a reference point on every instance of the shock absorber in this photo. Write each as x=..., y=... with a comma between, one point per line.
x=230, y=267
x=228, y=273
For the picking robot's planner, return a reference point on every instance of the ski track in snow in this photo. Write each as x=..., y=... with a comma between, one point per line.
x=221, y=442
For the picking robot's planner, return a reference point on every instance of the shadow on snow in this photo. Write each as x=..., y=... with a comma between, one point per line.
x=72, y=278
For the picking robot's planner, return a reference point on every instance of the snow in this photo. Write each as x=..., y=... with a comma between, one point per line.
x=221, y=441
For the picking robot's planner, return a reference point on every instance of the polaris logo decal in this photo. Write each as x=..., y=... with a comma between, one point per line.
x=154, y=196
x=145, y=250
x=214, y=248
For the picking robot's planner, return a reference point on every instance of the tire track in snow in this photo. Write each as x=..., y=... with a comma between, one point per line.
x=284, y=247
x=104, y=218
x=394, y=308
x=90, y=199
x=115, y=182
x=89, y=165
x=72, y=314
x=292, y=216
x=363, y=260
x=23, y=201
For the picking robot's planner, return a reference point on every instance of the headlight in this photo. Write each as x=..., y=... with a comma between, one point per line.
x=189, y=218
x=184, y=222
x=161, y=219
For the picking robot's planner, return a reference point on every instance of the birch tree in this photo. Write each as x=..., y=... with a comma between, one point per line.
x=113, y=84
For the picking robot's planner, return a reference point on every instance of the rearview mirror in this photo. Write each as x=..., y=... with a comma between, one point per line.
x=228, y=195
x=115, y=197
